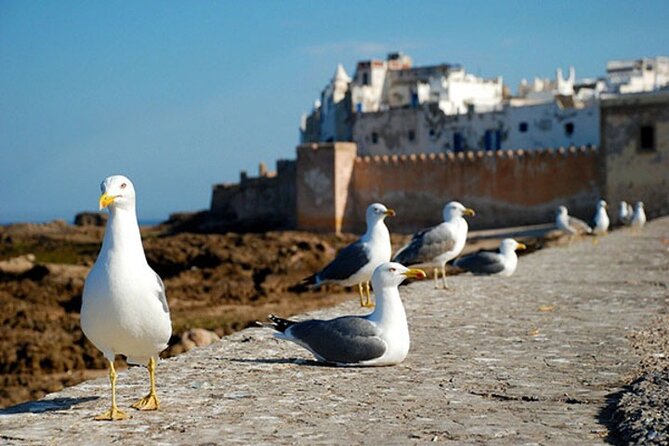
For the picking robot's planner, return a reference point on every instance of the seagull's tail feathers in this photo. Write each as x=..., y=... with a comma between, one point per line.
x=307, y=284
x=279, y=323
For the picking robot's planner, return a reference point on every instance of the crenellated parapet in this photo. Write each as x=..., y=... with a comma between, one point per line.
x=475, y=155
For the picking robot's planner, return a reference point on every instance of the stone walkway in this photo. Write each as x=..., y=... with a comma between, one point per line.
x=528, y=359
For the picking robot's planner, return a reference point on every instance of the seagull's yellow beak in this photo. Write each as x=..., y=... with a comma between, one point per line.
x=415, y=273
x=106, y=200
x=521, y=246
x=390, y=212
x=469, y=211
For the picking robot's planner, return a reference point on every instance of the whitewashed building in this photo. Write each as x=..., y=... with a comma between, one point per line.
x=637, y=76
x=390, y=107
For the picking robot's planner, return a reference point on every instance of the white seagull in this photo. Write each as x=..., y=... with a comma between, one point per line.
x=124, y=309
x=434, y=246
x=355, y=264
x=639, y=217
x=379, y=338
x=625, y=213
x=501, y=263
x=570, y=225
x=601, y=220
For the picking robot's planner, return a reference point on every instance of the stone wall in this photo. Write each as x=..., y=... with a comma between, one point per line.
x=631, y=172
x=258, y=203
x=506, y=188
x=323, y=177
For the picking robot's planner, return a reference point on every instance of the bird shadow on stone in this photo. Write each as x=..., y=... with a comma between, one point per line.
x=295, y=361
x=608, y=417
x=42, y=406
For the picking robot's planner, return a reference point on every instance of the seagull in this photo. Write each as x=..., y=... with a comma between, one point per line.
x=625, y=213
x=124, y=309
x=639, y=217
x=355, y=263
x=379, y=338
x=437, y=245
x=570, y=225
x=500, y=263
x=601, y=220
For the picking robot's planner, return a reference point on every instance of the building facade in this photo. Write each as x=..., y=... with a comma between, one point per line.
x=390, y=107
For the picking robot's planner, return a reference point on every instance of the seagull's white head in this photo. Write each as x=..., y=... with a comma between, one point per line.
x=639, y=204
x=391, y=274
x=117, y=193
x=454, y=209
x=376, y=212
x=562, y=211
x=602, y=204
x=510, y=245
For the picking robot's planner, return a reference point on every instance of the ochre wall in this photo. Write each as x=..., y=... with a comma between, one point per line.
x=506, y=188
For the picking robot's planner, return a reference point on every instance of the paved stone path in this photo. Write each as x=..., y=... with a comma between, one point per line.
x=528, y=359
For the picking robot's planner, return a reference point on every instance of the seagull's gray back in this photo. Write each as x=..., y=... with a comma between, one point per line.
x=349, y=261
x=579, y=225
x=426, y=245
x=482, y=262
x=344, y=340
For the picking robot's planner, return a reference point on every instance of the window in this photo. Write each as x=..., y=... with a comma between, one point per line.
x=375, y=137
x=458, y=142
x=569, y=128
x=365, y=79
x=647, y=139
x=522, y=127
x=492, y=139
x=412, y=135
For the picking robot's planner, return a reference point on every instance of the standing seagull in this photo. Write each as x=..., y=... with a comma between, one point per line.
x=625, y=213
x=356, y=263
x=437, y=245
x=379, y=338
x=569, y=225
x=501, y=263
x=601, y=220
x=639, y=217
x=124, y=310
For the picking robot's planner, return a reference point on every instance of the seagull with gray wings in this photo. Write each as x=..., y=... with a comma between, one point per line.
x=569, y=225
x=377, y=339
x=487, y=263
x=124, y=310
x=355, y=264
x=434, y=246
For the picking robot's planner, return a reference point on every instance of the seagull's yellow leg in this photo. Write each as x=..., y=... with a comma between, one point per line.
x=368, y=302
x=114, y=413
x=362, y=295
x=436, y=278
x=443, y=275
x=150, y=401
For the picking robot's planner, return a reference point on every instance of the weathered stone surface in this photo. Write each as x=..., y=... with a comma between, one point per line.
x=531, y=359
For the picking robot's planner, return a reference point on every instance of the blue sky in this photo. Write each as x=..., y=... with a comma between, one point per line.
x=179, y=95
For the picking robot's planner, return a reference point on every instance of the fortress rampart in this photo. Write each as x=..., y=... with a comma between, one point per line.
x=328, y=187
x=505, y=187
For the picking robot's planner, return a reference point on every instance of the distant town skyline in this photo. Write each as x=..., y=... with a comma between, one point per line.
x=179, y=96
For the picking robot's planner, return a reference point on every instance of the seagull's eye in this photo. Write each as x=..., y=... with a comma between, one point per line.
x=392, y=270
x=123, y=186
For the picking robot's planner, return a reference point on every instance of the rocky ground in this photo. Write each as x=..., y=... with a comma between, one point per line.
x=570, y=350
x=216, y=284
